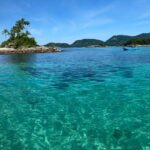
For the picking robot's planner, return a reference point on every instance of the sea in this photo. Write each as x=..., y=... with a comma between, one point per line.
x=78, y=99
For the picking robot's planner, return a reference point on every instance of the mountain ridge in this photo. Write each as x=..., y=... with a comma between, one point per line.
x=116, y=40
x=119, y=40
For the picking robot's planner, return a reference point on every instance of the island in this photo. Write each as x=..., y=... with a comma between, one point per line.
x=79, y=43
x=123, y=40
x=19, y=41
x=116, y=40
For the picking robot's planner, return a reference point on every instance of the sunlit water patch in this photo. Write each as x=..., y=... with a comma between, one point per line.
x=81, y=99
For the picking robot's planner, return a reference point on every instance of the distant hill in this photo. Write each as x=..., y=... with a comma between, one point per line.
x=79, y=43
x=143, y=35
x=119, y=40
x=88, y=43
x=62, y=45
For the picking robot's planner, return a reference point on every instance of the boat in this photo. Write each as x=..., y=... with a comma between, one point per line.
x=129, y=48
x=125, y=49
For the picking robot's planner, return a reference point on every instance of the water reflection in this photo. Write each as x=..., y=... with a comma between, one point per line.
x=17, y=59
x=22, y=58
x=24, y=62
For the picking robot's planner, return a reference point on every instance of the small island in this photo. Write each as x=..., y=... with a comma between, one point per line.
x=19, y=41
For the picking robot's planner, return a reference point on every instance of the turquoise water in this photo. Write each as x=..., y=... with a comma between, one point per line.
x=81, y=99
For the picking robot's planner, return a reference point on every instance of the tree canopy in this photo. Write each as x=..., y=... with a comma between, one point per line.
x=18, y=37
x=138, y=41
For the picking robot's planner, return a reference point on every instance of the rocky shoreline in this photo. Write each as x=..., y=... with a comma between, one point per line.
x=28, y=50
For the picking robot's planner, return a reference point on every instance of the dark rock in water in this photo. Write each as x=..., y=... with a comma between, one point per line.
x=33, y=102
x=66, y=131
x=57, y=125
x=117, y=134
x=113, y=70
x=69, y=76
x=128, y=134
x=88, y=74
x=32, y=71
x=98, y=80
x=92, y=133
x=128, y=74
x=74, y=126
x=61, y=86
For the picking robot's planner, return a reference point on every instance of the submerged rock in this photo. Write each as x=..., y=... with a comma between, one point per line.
x=128, y=134
x=117, y=134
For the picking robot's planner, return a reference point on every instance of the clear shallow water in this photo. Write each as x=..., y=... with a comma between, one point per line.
x=81, y=99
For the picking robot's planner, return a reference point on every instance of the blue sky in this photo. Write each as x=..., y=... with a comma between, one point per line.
x=68, y=20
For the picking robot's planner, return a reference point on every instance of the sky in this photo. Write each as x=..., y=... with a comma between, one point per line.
x=70, y=20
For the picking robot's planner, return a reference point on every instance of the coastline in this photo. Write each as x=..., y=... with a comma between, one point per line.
x=5, y=51
x=142, y=45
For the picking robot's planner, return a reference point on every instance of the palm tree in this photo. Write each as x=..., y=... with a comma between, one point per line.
x=19, y=35
x=19, y=27
x=6, y=32
x=27, y=33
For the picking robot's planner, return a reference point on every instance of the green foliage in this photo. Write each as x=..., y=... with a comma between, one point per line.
x=23, y=42
x=138, y=41
x=18, y=37
x=119, y=40
x=62, y=45
x=88, y=43
x=79, y=43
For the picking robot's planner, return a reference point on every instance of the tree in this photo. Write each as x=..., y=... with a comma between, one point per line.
x=138, y=41
x=18, y=36
x=5, y=32
x=16, y=30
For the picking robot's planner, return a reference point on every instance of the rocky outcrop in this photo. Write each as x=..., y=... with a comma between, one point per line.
x=40, y=49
